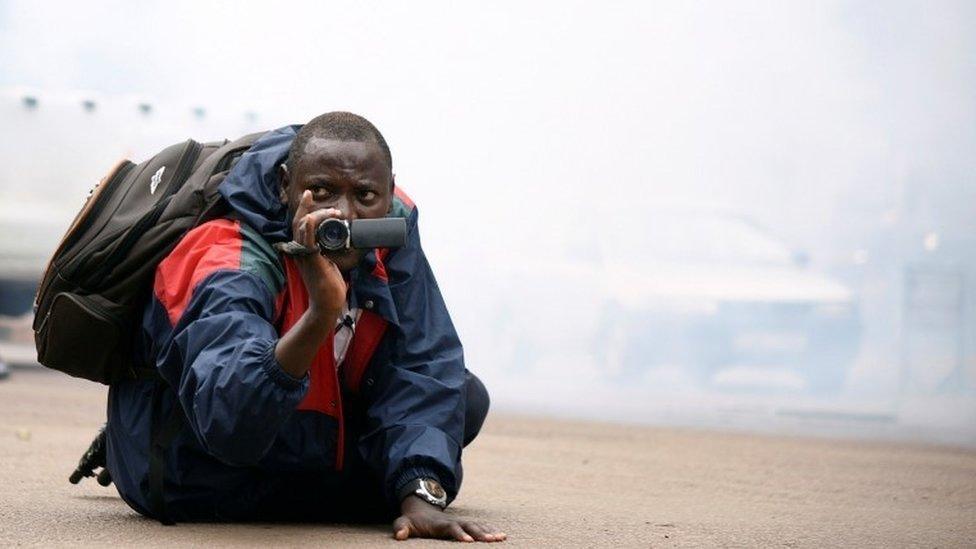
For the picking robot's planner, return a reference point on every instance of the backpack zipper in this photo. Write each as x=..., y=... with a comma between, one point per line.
x=100, y=198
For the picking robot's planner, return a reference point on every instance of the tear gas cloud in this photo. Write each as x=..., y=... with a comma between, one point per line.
x=749, y=215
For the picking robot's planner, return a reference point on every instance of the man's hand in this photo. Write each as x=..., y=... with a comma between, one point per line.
x=323, y=280
x=420, y=519
x=326, y=294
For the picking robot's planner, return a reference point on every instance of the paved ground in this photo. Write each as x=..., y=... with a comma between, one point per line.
x=544, y=482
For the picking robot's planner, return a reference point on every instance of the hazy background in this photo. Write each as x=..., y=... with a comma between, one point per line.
x=747, y=215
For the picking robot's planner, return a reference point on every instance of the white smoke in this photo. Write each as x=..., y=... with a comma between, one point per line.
x=548, y=143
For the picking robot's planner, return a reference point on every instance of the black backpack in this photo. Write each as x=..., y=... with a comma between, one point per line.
x=89, y=302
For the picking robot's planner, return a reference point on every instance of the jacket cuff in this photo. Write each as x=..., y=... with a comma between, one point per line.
x=406, y=476
x=277, y=374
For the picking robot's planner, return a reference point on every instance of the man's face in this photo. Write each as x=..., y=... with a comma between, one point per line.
x=351, y=176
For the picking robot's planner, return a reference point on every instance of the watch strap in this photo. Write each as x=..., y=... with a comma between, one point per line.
x=418, y=487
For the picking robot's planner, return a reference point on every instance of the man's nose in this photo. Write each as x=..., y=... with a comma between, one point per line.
x=344, y=205
x=348, y=208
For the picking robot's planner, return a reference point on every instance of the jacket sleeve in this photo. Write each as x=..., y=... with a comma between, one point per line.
x=415, y=417
x=217, y=351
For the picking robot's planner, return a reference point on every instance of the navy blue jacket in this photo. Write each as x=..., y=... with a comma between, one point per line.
x=252, y=436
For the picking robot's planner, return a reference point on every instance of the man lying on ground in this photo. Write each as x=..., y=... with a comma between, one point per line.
x=299, y=387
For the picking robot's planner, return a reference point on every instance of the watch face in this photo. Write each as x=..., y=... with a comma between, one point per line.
x=434, y=489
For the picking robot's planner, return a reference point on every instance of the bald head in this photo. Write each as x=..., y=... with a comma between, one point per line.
x=337, y=126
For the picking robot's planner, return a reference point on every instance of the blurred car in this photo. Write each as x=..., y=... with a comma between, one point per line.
x=714, y=295
x=686, y=297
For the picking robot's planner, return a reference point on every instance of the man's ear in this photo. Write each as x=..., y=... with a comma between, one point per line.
x=284, y=178
x=392, y=191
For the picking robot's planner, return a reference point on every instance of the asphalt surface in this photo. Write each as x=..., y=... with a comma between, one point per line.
x=544, y=482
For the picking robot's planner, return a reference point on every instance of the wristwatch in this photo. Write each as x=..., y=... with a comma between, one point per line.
x=426, y=489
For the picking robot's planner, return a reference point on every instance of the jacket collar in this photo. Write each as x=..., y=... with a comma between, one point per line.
x=251, y=187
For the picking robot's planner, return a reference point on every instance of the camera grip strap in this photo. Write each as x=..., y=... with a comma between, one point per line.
x=293, y=248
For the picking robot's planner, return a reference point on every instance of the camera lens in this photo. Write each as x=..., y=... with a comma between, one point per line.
x=332, y=234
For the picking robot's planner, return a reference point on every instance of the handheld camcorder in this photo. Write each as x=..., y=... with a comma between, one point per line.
x=338, y=234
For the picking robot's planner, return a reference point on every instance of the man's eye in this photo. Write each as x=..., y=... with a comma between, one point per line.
x=367, y=196
x=320, y=193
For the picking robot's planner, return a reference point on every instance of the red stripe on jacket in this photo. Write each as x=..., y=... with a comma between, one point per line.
x=218, y=245
x=369, y=332
x=324, y=394
x=379, y=271
x=213, y=246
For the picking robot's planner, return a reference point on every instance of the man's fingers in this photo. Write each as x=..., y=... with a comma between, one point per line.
x=458, y=533
x=477, y=531
x=439, y=525
x=484, y=532
x=304, y=207
x=298, y=223
x=308, y=232
x=307, y=219
x=304, y=204
x=494, y=532
x=401, y=528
